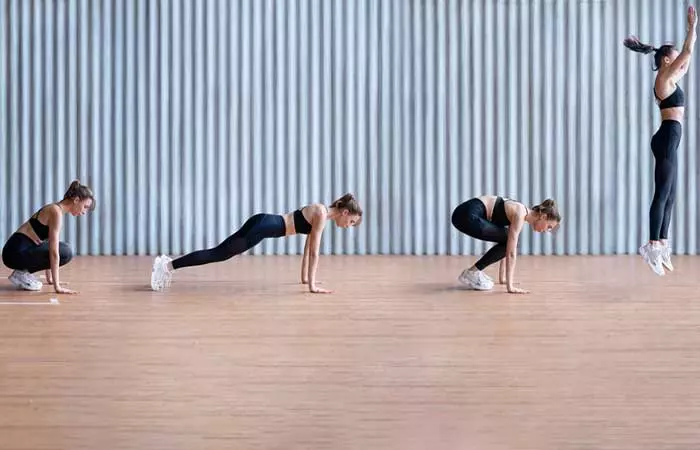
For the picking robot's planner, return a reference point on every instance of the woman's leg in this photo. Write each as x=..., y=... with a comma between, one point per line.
x=253, y=231
x=663, y=187
x=25, y=257
x=470, y=219
x=672, y=157
x=664, y=145
x=493, y=255
x=244, y=239
x=38, y=258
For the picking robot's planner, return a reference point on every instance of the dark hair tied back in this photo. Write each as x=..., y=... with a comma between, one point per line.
x=548, y=209
x=633, y=43
x=349, y=203
x=81, y=192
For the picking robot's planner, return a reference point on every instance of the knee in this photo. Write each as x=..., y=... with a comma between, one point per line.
x=10, y=262
x=225, y=251
x=463, y=223
x=65, y=254
x=10, y=259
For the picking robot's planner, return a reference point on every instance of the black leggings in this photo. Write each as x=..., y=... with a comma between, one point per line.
x=257, y=228
x=470, y=219
x=21, y=253
x=664, y=145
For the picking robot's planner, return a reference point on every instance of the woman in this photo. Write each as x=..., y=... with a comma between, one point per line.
x=35, y=245
x=310, y=220
x=672, y=66
x=496, y=219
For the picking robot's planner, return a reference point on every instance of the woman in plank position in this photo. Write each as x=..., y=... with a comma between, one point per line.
x=310, y=220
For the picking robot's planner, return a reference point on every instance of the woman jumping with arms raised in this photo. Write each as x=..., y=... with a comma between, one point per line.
x=672, y=66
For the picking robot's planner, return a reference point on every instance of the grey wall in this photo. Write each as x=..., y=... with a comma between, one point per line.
x=188, y=116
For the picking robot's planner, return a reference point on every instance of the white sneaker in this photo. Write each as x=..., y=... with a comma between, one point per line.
x=25, y=280
x=653, y=256
x=666, y=258
x=161, y=276
x=34, y=280
x=476, y=279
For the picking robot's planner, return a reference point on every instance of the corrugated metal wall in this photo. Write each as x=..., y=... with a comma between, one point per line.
x=187, y=116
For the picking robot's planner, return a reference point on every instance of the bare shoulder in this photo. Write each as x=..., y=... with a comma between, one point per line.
x=664, y=85
x=515, y=209
x=317, y=210
x=487, y=198
x=50, y=211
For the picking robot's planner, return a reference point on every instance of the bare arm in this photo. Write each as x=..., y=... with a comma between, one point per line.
x=55, y=223
x=305, y=262
x=314, y=245
x=511, y=251
x=680, y=66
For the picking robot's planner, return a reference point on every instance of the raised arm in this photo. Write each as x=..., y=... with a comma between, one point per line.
x=680, y=66
x=514, y=230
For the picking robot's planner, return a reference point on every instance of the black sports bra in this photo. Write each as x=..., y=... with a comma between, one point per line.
x=676, y=99
x=498, y=216
x=301, y=225
x=41, y=230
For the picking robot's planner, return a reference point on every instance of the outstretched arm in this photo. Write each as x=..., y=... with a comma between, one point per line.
x=55, y=223
x=511, y=252
x=680, y=66
x=305, y=262
x=314, y=244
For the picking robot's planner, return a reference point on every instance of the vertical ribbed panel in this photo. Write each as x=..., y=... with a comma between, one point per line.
x=186, y=117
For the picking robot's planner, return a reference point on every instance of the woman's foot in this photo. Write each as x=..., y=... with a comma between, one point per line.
x=652, y=254
x=25, y=280
x=666, y=257
x=476, y=279
x=161, y=274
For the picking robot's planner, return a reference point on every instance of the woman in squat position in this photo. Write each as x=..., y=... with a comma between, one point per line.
x=672, y=66
x=495, y=219
x=310, y=220
x=35, y=245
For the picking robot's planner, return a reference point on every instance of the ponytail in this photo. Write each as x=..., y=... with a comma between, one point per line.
x=81, y=192
x=548, y=209
x=349, y=203
x=633, y=43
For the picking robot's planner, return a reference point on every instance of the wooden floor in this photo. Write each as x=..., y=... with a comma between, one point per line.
x=602, y=355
